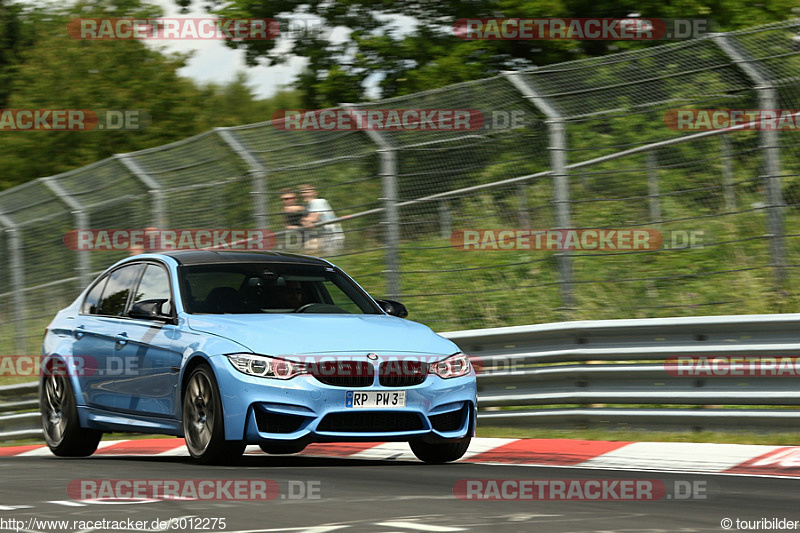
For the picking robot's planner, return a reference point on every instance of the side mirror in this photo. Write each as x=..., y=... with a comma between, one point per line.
x=149, y=310
x=394, y=308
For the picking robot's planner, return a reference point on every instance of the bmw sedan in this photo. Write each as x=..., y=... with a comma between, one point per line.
x=228, y=349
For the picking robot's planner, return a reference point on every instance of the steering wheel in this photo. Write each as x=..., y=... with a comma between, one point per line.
x=303, y=308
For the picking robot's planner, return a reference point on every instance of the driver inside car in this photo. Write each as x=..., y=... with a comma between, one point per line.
x=291, y=295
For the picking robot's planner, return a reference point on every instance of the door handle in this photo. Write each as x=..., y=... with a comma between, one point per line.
x=122, y=339
x=79, y=332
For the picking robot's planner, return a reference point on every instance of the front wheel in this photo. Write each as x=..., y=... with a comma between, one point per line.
x=440, y=452
x=62, y=430
x=203, y=425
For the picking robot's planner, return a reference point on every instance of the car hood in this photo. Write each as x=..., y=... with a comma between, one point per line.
x=298, y=334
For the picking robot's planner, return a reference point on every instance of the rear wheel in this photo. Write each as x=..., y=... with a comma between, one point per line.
x=440, y=452
x=203, y=425
x=62, y=430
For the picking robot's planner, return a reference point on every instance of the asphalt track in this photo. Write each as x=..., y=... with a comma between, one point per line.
x=358, y=495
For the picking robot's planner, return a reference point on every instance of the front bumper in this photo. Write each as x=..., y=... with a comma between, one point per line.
x=262, y=410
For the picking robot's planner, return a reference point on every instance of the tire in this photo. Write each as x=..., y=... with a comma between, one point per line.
x=62, y=429
x=440, y=452
x=283, y=449
x=203, y=424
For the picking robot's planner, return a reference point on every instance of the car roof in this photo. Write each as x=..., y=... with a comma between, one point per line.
x=204, y=257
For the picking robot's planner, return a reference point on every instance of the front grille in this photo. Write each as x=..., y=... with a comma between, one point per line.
x=277, y=422
x=343, y=373
x=451, y=421
x=370, y=422
x=402, y=373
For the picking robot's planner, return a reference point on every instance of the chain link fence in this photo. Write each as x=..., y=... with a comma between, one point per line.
x=594, y=151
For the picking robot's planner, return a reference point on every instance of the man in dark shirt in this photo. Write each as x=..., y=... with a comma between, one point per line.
x=292, y=212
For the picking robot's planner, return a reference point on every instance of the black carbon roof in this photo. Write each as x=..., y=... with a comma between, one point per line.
x=204, y=257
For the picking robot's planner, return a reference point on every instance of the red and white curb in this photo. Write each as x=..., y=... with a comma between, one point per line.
x=650, y=456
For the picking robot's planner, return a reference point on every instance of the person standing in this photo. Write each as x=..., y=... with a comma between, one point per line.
x=328, y=238
x=292, y=216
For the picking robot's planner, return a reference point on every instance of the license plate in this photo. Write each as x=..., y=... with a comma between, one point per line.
x=375, y=399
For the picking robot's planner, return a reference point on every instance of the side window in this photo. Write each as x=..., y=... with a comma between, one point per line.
x=155, y=286
x=119, y=286
x=93, y=298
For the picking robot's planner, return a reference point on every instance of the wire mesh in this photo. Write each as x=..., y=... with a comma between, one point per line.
x=402, y=197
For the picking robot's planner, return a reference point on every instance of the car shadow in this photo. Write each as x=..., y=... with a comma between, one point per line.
x=252, y=460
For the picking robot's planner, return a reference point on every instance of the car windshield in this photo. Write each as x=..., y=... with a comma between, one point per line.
x=270, y=288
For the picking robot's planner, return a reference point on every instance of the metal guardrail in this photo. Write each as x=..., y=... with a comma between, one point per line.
x=16, y=420
x=530, y=372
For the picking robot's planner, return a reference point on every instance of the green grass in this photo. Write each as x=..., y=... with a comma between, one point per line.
x=13, y=380
x=450, y=289
x=738, y=437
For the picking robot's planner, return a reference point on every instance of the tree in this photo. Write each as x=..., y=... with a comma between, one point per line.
x=14, y=37
x=55, y=71
x=406, y=59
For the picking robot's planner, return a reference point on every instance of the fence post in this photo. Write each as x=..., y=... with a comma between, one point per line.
x=523, y=216
x=727, y=175
x=81, y=219
x=445, y=220
x=258, y=173
x=652, y=187
x=388, y=173
x=153, y=187
x=17, y=278
x=767, y=99
x=558, y=160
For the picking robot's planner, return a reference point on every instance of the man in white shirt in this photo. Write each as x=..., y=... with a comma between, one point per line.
x=328, y=238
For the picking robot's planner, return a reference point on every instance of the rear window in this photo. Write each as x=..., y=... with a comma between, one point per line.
x=93, y=298
x=118, y=288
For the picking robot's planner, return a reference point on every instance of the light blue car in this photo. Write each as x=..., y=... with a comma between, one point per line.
x=227, y=349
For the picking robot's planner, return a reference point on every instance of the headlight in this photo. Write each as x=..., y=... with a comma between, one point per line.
x=264, y=366
x=453, y=367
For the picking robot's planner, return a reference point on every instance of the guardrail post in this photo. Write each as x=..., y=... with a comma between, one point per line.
x=767, y=99
x=388, y=173
x=81, y=218
x=17, y=278
x=258, y=174
x=558, y=160
x=153, y=187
